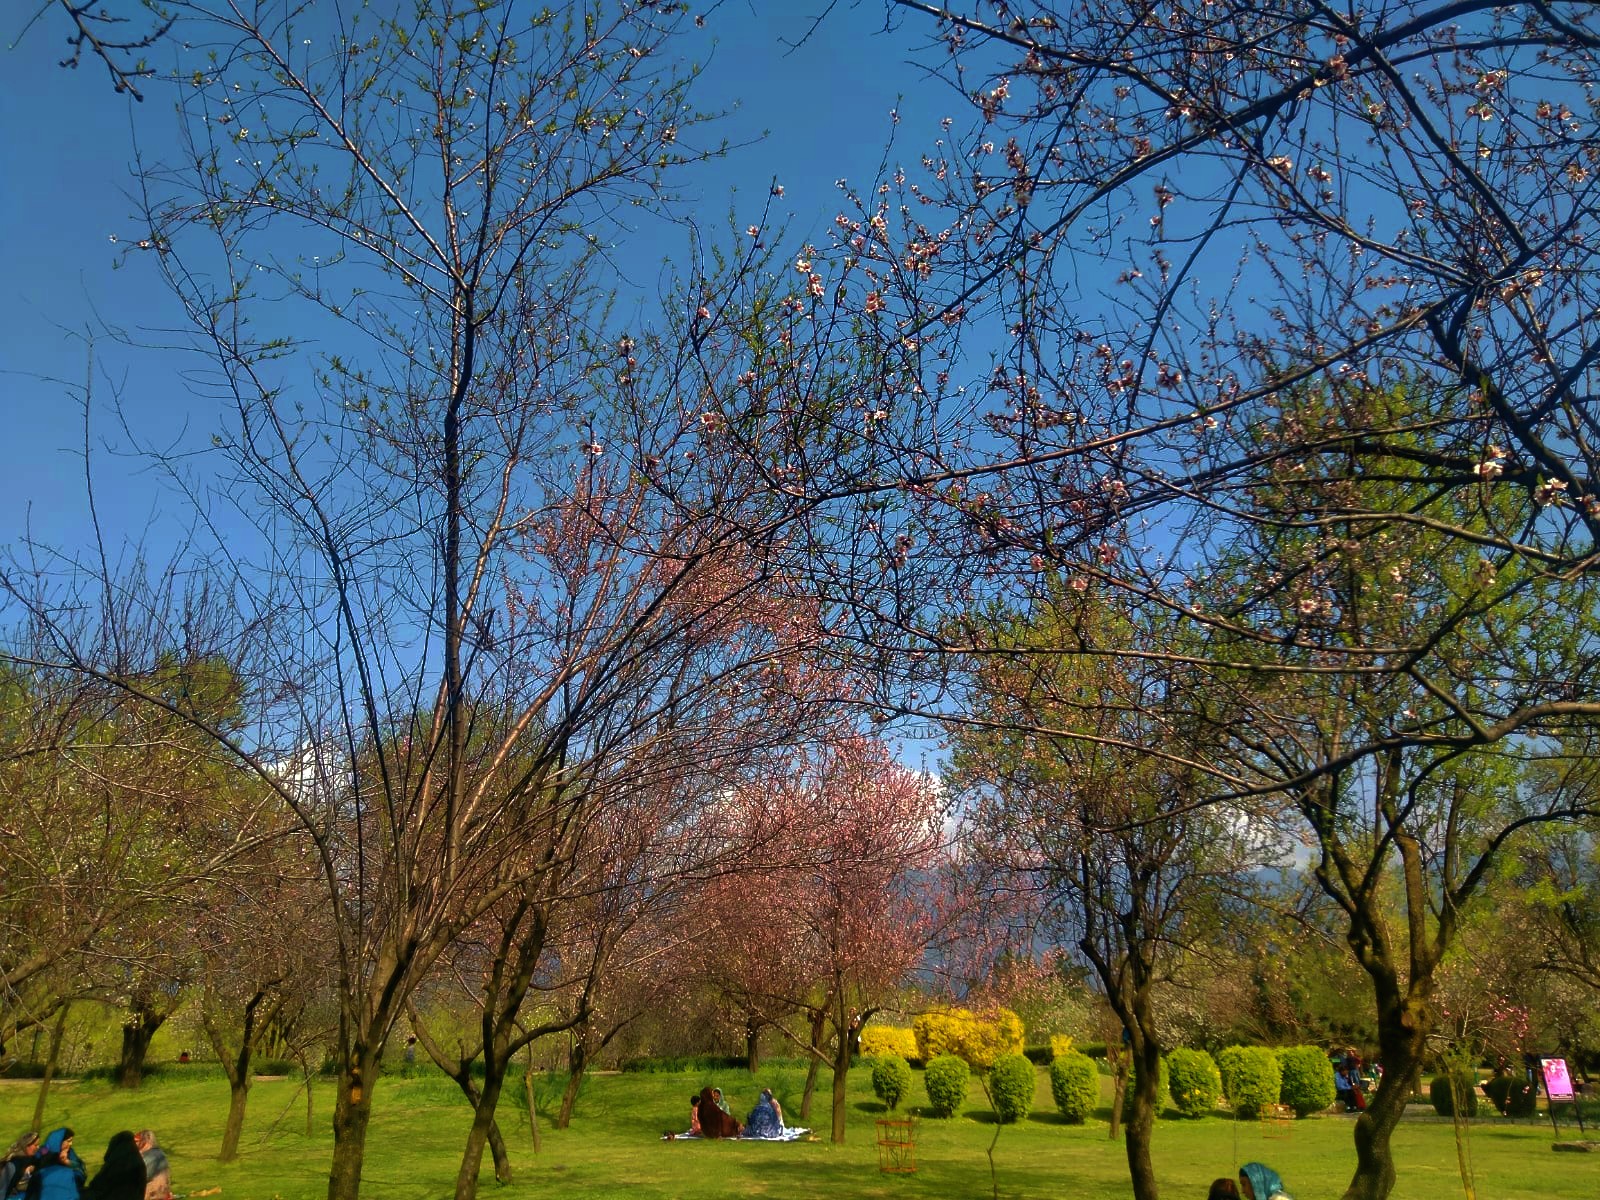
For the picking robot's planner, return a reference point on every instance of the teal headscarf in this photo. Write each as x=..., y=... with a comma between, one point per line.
x=1264, y=1181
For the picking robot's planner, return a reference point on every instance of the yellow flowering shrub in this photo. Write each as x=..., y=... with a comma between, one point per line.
x=976, y=1039
x=879, y=1040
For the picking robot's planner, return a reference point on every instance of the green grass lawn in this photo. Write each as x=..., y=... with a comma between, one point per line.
x=614, y=1149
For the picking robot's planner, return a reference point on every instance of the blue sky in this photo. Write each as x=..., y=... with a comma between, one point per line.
x=802, y=116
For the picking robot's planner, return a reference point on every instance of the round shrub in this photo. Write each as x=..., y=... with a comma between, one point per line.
x=1011, y=1084
x=1194, y=1082
x=1513, y=1097
x=1251, y=1079
x=1075, y=1085
x=1307, y=1079
x=1443, y=1096
x=891, y=1080
x=945, y=1080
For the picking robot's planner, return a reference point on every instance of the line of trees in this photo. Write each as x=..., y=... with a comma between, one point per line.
x=1203, y=436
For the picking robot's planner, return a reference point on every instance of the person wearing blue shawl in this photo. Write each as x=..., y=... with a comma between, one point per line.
x=59, y=1173
x=766, y=1118
x=1257, y=1181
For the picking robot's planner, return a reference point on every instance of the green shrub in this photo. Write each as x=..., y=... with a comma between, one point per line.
x=1307, y=1085
x=1251, y=1079
x=945, y=1080
x=891, y=1080
x=1513, y=1097
x=1011, y=1085
x=1075, y=1084
x=1441, y=1094
x=1193, y=1081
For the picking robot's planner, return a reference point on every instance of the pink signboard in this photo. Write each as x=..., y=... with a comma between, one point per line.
x=1557, y=1083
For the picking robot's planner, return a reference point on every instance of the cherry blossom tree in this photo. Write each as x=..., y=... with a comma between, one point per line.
x=842, y=852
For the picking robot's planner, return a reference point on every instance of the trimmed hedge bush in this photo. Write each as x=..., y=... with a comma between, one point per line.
x=1444, y=1101
x=891, y=1080
x=945, y=1080
x=1193, y=1081
x=1011, y=1085
x=879, y=1040
x=1307, y=1085
x=1251, y=1079
x=1075, y=1085
x=1513, y=1097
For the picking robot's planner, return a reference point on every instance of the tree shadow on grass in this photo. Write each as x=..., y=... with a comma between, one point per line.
x=870, y=1106
x=1050, y=1118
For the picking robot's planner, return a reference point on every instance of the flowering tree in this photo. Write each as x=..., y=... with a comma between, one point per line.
x=460, y=595
x=1184, y=258
x=831, y=913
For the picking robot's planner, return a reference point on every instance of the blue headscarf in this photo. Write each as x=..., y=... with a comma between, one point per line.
x=1264, y=1181
x=52, y=1144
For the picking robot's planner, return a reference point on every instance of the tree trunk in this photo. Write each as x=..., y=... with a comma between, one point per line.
x=137, y=1032
x=815, y=1061
x=484, y=1131
x=352, y=1110
x=238, y=1095
x=841, y=1073
x=1119, y=1087
x=578, y=1062
x=1141, y=1122
x=1402, y=1034
x=752, y=1044
x=52, y=1057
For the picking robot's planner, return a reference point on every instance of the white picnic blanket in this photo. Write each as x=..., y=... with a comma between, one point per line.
x=791, y=1133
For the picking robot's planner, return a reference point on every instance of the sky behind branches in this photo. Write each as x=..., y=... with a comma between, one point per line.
x=808, y=104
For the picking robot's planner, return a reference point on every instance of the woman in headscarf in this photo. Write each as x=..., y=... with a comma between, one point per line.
x=17, y=1165
x=58, y=1172
x=121, y=1176
x=714, y=1123
x=157, y=1171
x=766, y=1118
x=1257, y=1181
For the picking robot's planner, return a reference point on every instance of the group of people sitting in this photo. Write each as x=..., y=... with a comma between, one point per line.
x=709, y=1118
x=135, y=1168
x=1257, y=1181
x=1352, y=1080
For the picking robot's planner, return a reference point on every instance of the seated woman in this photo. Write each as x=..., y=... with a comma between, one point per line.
x=58, y=1171
x=157, y=1171
x=17, y=1166
x=714, y=1123
x=122, y=1176
x=766, y=1118
x=1348, y=1086
x=1257, y=1181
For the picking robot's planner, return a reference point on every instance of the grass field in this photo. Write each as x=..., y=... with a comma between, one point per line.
x=614, y=1149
